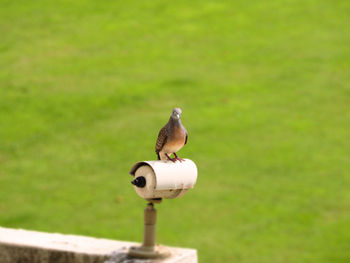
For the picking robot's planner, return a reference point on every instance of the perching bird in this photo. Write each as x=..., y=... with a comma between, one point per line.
x=171, y=138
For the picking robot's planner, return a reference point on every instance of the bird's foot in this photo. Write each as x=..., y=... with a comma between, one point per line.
x=171, y=159
x=179, y=159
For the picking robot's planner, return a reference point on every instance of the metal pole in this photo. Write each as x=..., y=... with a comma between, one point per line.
x=149, y=233
x=149, y=249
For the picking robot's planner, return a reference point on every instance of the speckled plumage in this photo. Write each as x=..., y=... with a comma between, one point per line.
x=171, y=138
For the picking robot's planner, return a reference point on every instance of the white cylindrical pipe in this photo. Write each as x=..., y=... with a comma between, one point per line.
x=164, y=179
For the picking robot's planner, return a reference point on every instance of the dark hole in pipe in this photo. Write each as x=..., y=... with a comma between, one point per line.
x=139, y=181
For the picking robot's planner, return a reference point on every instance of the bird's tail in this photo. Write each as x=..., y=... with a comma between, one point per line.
x=158, y=156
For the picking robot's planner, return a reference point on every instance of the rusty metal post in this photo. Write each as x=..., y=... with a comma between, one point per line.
x=149, y=249
x=149, y=231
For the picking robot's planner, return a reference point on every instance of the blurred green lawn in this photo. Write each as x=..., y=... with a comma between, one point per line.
x=85, y=87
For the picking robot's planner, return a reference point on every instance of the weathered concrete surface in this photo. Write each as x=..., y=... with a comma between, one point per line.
x=22, y=246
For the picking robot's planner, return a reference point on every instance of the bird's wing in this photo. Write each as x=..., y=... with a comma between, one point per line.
x=161, y=140
x=186, y=137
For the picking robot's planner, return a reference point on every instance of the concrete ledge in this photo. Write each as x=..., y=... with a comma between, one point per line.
x=17, y=246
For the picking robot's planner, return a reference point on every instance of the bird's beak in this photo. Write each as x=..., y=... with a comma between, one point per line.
x=178, y=116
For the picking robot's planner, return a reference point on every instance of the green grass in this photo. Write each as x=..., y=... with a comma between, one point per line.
x=85, y=87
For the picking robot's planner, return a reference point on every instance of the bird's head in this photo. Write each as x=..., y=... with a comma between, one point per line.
x=176, y=113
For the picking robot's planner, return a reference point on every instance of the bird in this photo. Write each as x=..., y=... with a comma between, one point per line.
x=171, y=138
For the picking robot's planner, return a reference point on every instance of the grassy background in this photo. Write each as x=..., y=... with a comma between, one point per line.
x=85, y=87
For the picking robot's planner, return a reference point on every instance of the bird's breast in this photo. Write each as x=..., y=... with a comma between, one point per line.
x=176, y=141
